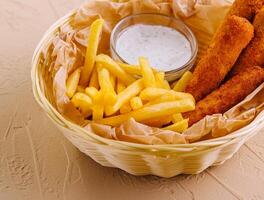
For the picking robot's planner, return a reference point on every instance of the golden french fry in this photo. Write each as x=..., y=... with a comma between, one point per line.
x=182, y=83
x=106, y=86
x=177, y=118
x=91, y=92
x=120, y=86
x=115, y=69
x=131, y=69
x=161, y=82
x=72, y=83
x=170, y=95
x=181, y=95
x=80, y=89
x=104, y=79
x=98, y=106
x=93, y=42
x=159, y=77
x=85, y=111
x=158, y=122
x=151, y=112
x=136, y=103
x=83, y=102
x=162, y=99
x=179, y=127
x=113, y=81
x=152, y=93
x=125, y=108
x=124, y=97
x=147, y=73
x=98, y=112
x=94, y=79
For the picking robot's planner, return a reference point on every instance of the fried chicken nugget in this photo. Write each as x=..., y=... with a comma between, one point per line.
x=253, y=55
x=246, y=8
x=228, y=95
x=233, y=36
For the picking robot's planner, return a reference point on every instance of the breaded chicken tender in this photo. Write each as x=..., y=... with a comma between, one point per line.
x=228, y=95
x=226, y=46
x=253, y=55
x=246, y=8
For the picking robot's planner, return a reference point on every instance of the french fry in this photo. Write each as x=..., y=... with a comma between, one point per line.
x=131, y=69
x=94, y=79
x=179, y=127
x=147, y=73
x=115, y=69
x=120, y=86
x=104, y=78
x=83, y=102
x=98, y=106
x=152, y=93
x=80, y=89
x=164, y=98
x=98, y=112
x=91, y=51
x=159, y=77
x=166, y=95
x=136, y=103
x=158, y=122
x=72, y=83
x=106, y=86
x=182, y=83
x=113, y=81
x=99, y=100
x=177, y=118
x=126, y=108
x=151, y=112
x=124, y=97
x=91, y=92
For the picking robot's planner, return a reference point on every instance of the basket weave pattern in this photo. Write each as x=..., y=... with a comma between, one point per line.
x=137, y=159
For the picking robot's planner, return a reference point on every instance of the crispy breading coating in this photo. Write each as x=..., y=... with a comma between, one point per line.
x=253, y=55
x=233, y=36
x=228, y=95
x=246, y=8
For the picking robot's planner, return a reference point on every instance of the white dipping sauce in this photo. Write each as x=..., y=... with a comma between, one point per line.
x=166, y=48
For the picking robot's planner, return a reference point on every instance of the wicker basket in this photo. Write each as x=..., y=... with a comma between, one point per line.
x=137, y=159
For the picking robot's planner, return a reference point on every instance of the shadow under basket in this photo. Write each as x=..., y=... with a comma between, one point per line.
x=137, y=159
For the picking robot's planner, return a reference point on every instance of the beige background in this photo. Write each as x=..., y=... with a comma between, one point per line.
x=37, y=162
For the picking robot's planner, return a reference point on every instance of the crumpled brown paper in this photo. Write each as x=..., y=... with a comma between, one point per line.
x=67, y=50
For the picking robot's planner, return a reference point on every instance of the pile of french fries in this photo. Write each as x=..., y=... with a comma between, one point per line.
x=109, y=92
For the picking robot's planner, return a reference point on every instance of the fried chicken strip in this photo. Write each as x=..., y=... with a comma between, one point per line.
x=225, y=48
x=246, y=8
x=228, y=95
x=253, y=55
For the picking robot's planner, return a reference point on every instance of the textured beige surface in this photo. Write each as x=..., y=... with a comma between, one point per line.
x=37, y=162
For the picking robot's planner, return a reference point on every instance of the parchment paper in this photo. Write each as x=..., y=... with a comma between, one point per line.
x=67, y=50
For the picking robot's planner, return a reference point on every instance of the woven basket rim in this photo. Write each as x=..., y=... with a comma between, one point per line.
x=58, y=119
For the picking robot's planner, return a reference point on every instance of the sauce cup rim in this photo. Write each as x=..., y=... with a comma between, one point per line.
x=194, y=44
